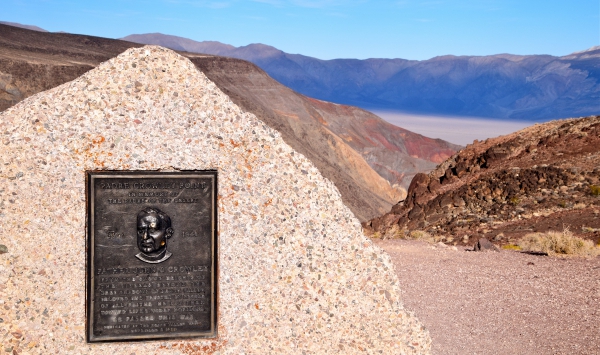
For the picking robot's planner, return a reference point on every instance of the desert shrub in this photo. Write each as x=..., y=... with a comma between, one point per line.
x=393, y=233
x=558, y=243
x=514, y=200
x=585, y=229
x=595, y=190
x=437, y=238
x=422, y=235
x=511, y=247
x=562, y=203
x=499, y=236
x=419, y=235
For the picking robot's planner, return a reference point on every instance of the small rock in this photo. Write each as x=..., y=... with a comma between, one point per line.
x=484, y=245
x=17, y=334
x=3, y=249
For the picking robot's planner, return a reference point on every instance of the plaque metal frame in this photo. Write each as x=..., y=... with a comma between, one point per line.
x=153, y=216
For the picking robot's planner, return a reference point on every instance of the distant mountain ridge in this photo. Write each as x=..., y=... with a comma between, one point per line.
x=370, y=160
x=535, y=87
x=182, y=44
x=20, y=25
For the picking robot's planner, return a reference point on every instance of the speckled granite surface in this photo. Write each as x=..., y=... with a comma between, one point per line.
x=296, y=274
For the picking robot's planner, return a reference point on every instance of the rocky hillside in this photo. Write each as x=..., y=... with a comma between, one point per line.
x=529, y=87
x=545, y=177
x=33, y=61
x=370, y=161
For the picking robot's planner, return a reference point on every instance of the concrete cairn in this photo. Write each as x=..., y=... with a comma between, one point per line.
x=296, y=275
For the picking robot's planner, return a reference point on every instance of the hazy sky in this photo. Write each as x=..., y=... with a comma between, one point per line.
x=330, y=29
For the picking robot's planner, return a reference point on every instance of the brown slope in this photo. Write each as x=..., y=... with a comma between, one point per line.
x=538, y=179
x=362, y=189
x=31, y=62
x=394, y=152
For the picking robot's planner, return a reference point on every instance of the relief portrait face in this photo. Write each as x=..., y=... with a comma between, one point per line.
x=152, y=233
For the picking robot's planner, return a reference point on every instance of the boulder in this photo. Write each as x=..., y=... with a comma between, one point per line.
x=484, y=245
x=295, y=273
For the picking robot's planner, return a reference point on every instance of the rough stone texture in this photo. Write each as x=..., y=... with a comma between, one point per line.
x=484, y=245
x=296, y=274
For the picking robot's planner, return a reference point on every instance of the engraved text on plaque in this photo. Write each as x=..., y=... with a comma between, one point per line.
x=151, y=255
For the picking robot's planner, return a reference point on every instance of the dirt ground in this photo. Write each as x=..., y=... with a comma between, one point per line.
x=500, y=302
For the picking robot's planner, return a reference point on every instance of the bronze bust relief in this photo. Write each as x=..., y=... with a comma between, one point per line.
x=153, y=231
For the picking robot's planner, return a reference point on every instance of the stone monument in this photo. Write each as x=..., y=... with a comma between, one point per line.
x=294, y=273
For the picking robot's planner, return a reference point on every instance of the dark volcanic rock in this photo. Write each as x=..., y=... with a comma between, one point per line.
x=484, y=245
x=539, y=179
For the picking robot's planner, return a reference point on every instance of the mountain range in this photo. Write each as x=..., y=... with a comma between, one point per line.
x=542, y=178
x=530, y=87
x=369, y=160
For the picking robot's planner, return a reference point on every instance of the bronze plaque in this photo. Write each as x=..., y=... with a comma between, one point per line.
x=152, y=243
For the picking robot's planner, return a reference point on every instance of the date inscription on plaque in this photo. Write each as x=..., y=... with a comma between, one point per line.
x=152, y=242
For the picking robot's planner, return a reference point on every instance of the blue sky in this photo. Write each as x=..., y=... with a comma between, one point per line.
x=333, y=28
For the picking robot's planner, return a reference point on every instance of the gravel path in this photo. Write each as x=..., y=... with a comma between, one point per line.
x=500, y=302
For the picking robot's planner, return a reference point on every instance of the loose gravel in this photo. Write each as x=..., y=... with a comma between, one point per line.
x=500, y=302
